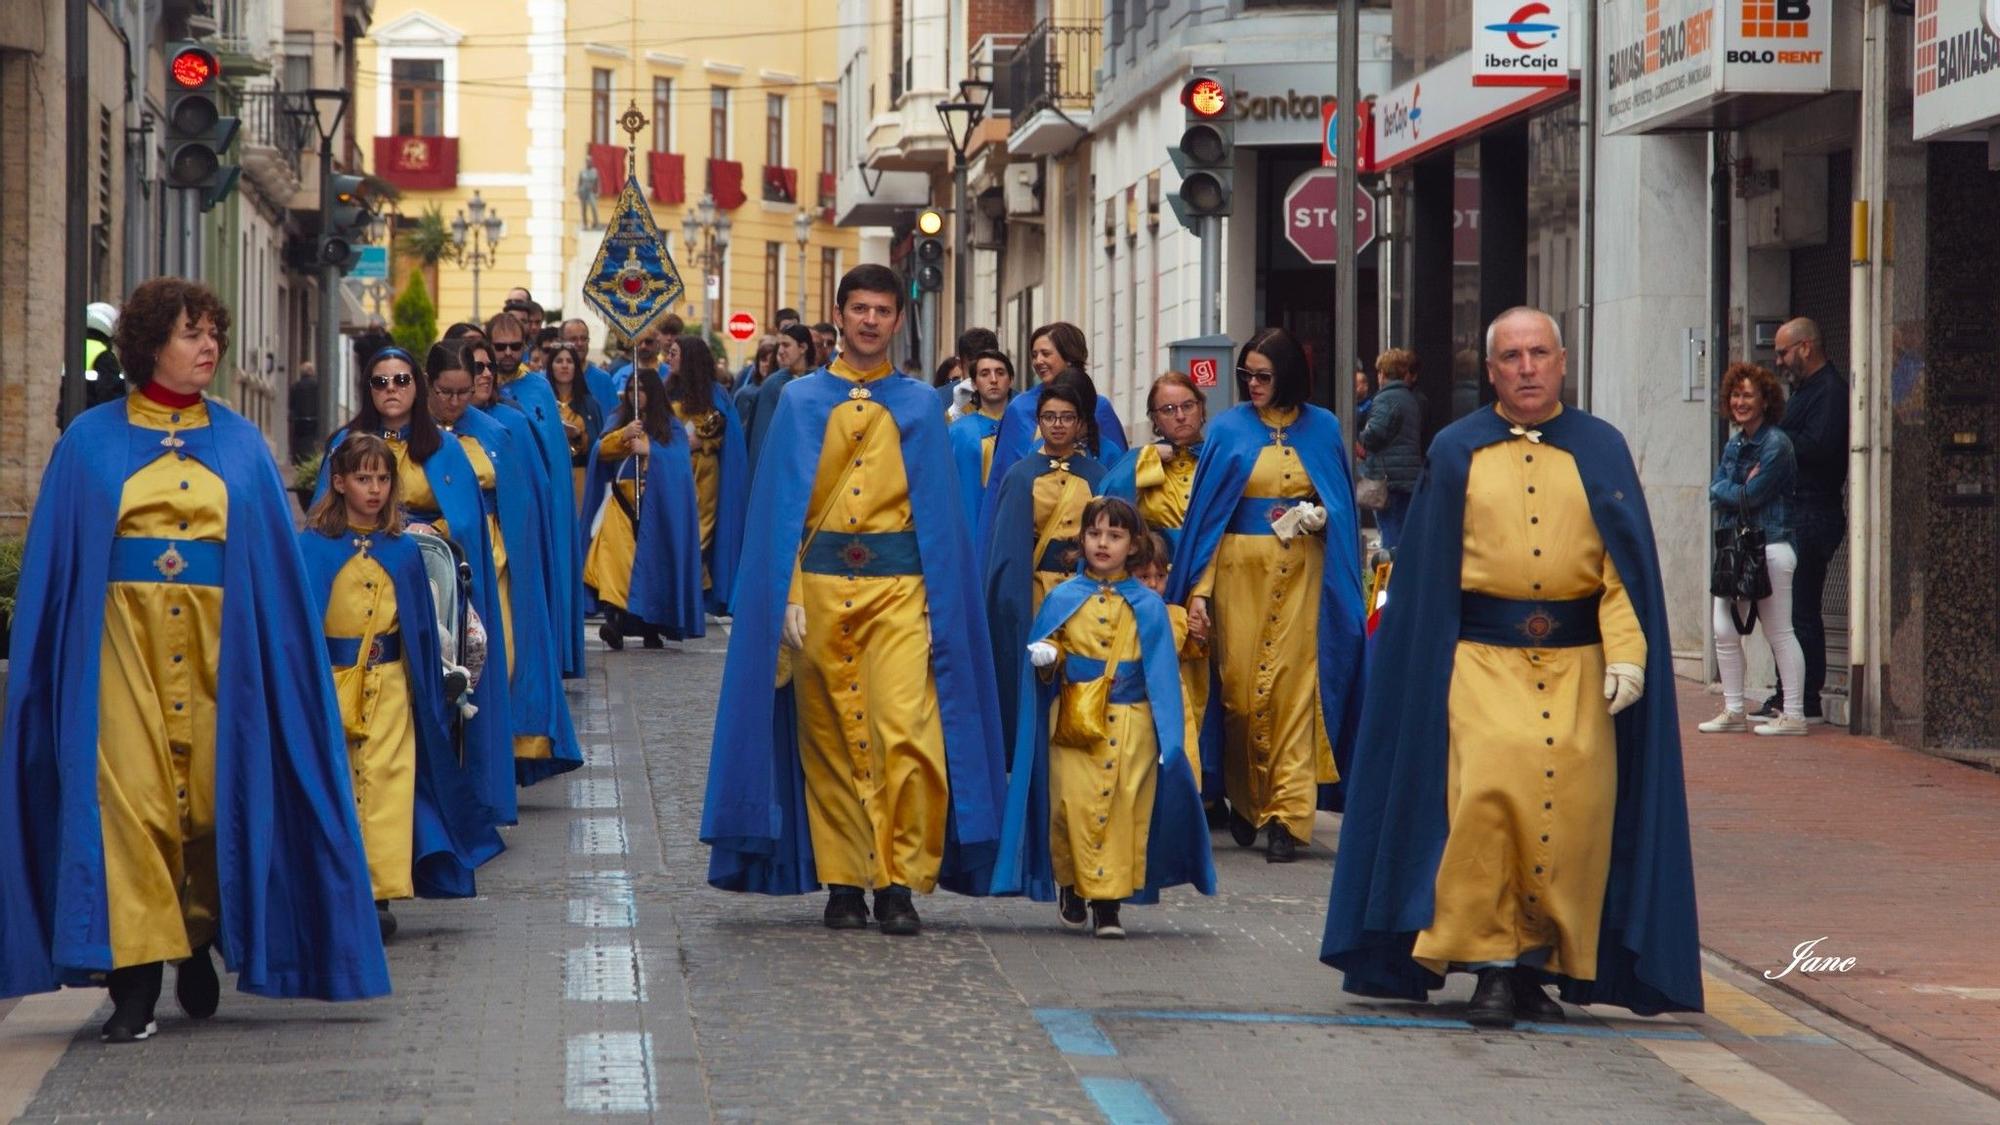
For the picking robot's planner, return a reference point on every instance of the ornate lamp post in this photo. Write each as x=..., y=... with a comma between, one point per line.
x=802, y=227
x=478, y=241
x=960, y=119
x=705, y=234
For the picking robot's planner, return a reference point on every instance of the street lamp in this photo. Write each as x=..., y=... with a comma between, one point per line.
x=705, y=234
x=484, y=228
x=802, y=229
x=960, y=119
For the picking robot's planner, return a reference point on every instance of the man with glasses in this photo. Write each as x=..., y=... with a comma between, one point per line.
x=1816, y=421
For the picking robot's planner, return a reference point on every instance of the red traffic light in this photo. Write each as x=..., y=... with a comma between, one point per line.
x=193, y=68
x=1205, y=97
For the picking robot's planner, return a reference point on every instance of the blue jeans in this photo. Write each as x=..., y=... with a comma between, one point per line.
x=1390, y=519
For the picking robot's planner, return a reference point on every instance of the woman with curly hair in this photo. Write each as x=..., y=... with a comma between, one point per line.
x=173, y=767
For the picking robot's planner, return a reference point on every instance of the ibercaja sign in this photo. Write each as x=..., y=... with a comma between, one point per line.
x=1520, y=42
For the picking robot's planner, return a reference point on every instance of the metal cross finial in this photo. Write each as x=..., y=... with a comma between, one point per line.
x=632, y=121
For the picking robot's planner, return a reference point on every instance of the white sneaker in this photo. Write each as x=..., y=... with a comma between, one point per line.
x=1724, y=723
x=1783, y=724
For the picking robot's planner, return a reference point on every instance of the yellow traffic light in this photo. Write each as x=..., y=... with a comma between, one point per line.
x=930, y=222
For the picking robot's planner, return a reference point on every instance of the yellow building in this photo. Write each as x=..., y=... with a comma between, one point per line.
x=509, y=101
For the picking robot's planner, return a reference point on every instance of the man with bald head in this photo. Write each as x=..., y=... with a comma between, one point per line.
x=576, y=334
x=1816, y=421
x=1520, y=718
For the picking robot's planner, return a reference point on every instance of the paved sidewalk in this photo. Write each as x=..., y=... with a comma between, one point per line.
x=1886, y=853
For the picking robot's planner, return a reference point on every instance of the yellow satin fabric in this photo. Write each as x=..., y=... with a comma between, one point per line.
x=607, y=568
x=1164, y=486
x=1101, y=794
x=871, y=738
x=578, y=446
x=1060, y=497
x=381, y=730
x=525, y=745
x=156, y=712
x=1533, y=768
x=413, y=488
x=1264, y=599
x=705, y=446
x=986, y=446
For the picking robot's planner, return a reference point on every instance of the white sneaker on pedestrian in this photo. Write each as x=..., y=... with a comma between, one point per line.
x=1783, y=724
x=1725, y=722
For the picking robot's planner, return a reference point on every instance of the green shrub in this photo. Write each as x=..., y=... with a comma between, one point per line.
x=305, y=472
x=11, y=550
x=416, y=318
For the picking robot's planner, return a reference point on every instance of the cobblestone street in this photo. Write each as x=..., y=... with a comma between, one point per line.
x=597, y=975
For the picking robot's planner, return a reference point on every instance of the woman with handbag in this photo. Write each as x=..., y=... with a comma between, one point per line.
x=1754, y=556
x=1391, y=441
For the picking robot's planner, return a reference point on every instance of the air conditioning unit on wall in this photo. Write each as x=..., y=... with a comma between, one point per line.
x=1023, y=186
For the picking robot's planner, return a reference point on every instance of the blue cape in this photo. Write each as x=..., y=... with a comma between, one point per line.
x=1008, y=584
x=489, y=734
x=968, y=436
x=298, y=914
x=1121, y=480
x=1177, y=846
x=754, y=817
x=1234, y=441
x=535, y=688
x=768, y=395
x=1384, y=887
x=665, y=589
x=564, y=572
x=1020, y=433
x=454, y=829
x=601, y=391
x=732, y=495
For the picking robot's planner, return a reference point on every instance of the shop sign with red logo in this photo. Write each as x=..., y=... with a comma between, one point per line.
x=1520, y=43
x=1203, y=372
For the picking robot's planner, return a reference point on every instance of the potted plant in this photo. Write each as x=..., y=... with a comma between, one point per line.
x=11, y=549
x=305, y=479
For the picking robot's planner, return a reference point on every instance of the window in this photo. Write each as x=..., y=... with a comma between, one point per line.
x=600, y=106
x=663, y=114
x=829, y=265
x=829, y=135
x=718, y=123
x=418, y=92
x=774, y=264
x=774, y=131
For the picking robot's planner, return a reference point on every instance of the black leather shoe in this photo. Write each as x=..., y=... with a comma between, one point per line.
x=1279, y=846
x=1241, y=830
x=1217, y=814
x=610, y=635
x=195, y=986
x=384, y=919
x=846, y=909
x=135, y=991
x=652, y=639
x=1493, y=1000
x=1070, y=908
x=1104, y=921
x=896, y=913
x=1532, y=1002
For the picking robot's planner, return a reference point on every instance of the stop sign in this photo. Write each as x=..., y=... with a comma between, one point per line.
x=742, y=326
x=1312, y=224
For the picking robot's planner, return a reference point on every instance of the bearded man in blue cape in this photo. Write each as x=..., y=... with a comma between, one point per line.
x=1515, y=806
x=857, y=739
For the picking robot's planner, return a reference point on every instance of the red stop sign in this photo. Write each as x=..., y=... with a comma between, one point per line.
x=742, y=326
x=1312, y=225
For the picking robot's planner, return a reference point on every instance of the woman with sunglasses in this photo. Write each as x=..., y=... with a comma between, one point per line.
x=1052, y=349
x=644, y=563
x=1036, y=535
x=721, y=462
x=1269, y=569
x=582, y=415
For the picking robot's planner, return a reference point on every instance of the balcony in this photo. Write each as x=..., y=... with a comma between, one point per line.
x=418, y=163
x=273, y=141
x=668, y=171
x=1048, y=84
x=781, y=185
x=725, y=183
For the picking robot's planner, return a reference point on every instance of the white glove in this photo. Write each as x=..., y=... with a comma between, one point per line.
x=1623, y=685
x=1041, y=654
x=1286, y=526
x=961, y=396
x=1312, y=517
x=795, y=625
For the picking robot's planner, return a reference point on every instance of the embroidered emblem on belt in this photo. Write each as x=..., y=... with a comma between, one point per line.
x=1278, y=510
x=374, y=652
x=1539, y=625
x=171, y=564
x=856, y=555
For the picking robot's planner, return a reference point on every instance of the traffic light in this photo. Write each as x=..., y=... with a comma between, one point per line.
x=344, y=218
x=1206, y=157
x=198, y=134
x=930, y=252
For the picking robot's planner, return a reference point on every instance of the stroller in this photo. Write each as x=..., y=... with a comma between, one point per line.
x=461, y=635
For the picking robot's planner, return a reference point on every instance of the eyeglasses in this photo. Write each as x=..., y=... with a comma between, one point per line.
x=505, y=346
x=1177, y=409
x=400, y=378
x=1058, y=419
x=479, y=367
x=441, y=392
x=1248, y=375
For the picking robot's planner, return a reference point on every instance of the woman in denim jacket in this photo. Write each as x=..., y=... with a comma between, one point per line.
x=1753, y=485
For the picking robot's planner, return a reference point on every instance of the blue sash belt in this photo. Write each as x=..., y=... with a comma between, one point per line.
x=1061, y=556
x=1528, y=624
x=183, y=562
x=345, y=652
x=1253, y=514
x=865, y=554
x=1128, y=681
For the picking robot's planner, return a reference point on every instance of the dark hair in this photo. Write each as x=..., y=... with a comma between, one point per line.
x=1074, y=387
x=1068, y=340
x=802, y=336
x=828, y=328
x=870, y=278
x=656, y=419
x=972, y=341
x=786, y=314
x=947, y=371
x=767, y=351
x=1291, y=377
x=328, y=515
x=424, y=438
x=1760, y=379
x=1172, y=379
x=1161, y=555
x=994, y=353
x=463, y=329
x=692, y=381
x=505, y=319
x=150, y=315
x=1120, y=512
x=580, y=397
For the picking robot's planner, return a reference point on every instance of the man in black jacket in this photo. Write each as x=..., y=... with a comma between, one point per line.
x=1816, y=421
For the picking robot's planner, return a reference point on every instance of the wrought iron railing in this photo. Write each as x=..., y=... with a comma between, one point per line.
x=272, y=121
x=1054, y=66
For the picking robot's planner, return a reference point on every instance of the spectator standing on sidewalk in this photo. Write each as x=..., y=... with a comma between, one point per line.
x=1491, y=776
x=1816, y=421
x=1753, y=487
x=1392, y=440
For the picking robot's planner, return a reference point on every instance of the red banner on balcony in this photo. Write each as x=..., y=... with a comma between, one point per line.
x=418, y=163
x=669, y=173
x=826, y=189
x=781, y=185
x=725, y=183
x=609, y=161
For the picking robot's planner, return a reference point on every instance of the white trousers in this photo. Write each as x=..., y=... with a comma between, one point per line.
x=1774, y=617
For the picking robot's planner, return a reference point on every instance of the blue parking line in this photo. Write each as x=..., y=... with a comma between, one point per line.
x=1439, y=1023
x=1124, y=1101
x=1075, y=1032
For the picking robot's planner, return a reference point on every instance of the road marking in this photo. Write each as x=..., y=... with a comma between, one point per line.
x=597, y=835
x=1749, y=1015
x=1722, y=1072
x=1075, y=1032
x=1123, y=1101
x=594, y=793
x=33, y=1038
x=600, y=755
x=609, y=1072
x=1429, y=1023
x=604, y=974
x=1959, y=991
x=604, y=900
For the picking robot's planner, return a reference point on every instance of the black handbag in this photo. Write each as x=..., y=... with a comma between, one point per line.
x=1739, y=573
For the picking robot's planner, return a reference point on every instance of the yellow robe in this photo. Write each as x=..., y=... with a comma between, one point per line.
x=871, y=738
x=607, y=568
x=1101, y=794
x=1533, y=768
x=1264, y=601
x=986, y=445
x=1060, y=496
x=705, y=447
x=414, y=488
x=156, y=712
x=1164, y=486
x=579, y=446
x=525, y=745
x=381, y=730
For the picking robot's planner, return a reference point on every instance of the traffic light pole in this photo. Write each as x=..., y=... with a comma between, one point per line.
x=76, y=216
x=1211, y=275
x=328, y=350
x=961, y=251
